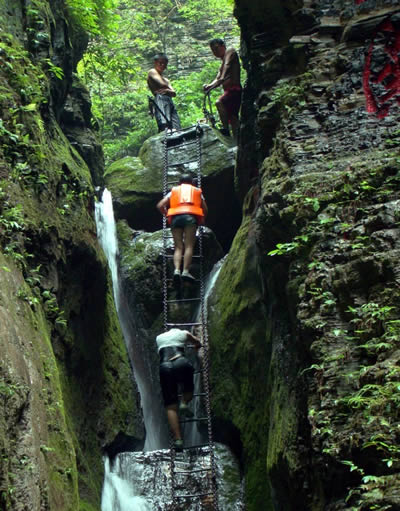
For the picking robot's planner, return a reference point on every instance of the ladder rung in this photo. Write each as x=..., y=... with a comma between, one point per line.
x=198, y=446
x=184, y=300
x=193, y=471
x=184, y=324
x=194, y=419
x=181, y=163
x=181, y=143
x=188, y=496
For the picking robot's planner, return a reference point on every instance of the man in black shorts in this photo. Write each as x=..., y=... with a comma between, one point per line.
x=175, y=369
x=185, y=208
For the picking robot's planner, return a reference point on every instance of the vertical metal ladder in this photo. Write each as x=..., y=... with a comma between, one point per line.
x=182, y=154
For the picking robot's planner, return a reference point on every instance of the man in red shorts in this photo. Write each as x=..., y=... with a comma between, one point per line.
x=228, y=76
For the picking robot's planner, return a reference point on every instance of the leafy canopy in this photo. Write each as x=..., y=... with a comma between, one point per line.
x=120, y=54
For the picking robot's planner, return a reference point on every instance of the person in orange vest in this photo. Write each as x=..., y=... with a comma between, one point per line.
x=185, y=208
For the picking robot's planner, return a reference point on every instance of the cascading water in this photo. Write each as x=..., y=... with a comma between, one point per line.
x=137, y=481
x=192, y=433
x=153, y=413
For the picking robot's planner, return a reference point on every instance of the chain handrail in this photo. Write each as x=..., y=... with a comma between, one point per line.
x=203, y=321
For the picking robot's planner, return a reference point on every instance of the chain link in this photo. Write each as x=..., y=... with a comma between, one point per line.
x=165, y=275
x=165, y=306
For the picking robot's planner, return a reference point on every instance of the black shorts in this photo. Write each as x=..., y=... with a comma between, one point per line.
x=181, y=221
x=173, y=373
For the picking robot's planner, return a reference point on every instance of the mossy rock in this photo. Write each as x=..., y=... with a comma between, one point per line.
x=141, y=265
x=240, y=349
x=136, y=184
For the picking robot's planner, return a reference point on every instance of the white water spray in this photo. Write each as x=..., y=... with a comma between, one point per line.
x=119, y=494
x=153, y=413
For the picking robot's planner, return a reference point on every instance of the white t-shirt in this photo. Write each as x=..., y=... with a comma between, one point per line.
x=173, y=337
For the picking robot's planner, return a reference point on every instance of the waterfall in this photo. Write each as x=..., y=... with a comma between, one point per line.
x=153, y=412
x=192, y=433
x=118, y=493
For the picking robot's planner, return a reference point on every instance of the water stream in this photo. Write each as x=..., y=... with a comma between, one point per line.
x=153, y=413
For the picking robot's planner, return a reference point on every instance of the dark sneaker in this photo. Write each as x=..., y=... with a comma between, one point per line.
x=184, y=411
x=224, y=132
x=178, y=445
x=188, y=277
x=177, y=278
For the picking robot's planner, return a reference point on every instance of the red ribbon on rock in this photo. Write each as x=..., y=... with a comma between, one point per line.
x=388, y=76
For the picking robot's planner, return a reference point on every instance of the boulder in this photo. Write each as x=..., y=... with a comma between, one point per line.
x=136, y=184
x=141, y=266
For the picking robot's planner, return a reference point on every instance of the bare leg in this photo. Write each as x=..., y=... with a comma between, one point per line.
x=223, y=114
x=235, y=127
x=178, y=242
x=173, y=420
x=190, y=239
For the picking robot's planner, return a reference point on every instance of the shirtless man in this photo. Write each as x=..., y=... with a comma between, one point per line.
x=229, y=77
x=163, y=92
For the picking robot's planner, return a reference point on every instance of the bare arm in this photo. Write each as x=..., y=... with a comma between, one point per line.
x=213, y=85
x=163, y=205
x=161, y=84
x=191, y=339
x=229, y=72
x=225, y=71
x=204, y=207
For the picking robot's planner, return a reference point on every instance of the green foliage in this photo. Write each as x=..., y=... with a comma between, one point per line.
x=288, y=93
x=293, y=246
x=93, y=16
x=115, y=66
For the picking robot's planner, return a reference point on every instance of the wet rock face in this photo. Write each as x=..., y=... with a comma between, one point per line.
x=58, y=328
x=325, y=148
x=141, y=266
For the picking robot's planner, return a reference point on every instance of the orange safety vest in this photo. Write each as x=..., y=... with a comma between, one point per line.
x=185, y=199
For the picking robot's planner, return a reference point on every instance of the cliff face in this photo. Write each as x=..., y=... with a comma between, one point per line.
x=304, y=319
x=65, y=384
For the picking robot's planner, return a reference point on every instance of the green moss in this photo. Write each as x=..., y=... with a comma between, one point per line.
x=100, y=365
x=86, y=506
x=130, y=176
x=51, y=453
x=238, y=340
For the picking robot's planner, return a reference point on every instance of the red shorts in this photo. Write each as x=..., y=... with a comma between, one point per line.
x=231, y=100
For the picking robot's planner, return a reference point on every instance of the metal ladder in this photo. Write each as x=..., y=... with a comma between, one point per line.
x=177, y=146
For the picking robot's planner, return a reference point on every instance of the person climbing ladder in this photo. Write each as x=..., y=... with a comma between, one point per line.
x=185, y=208
x=175, y=369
